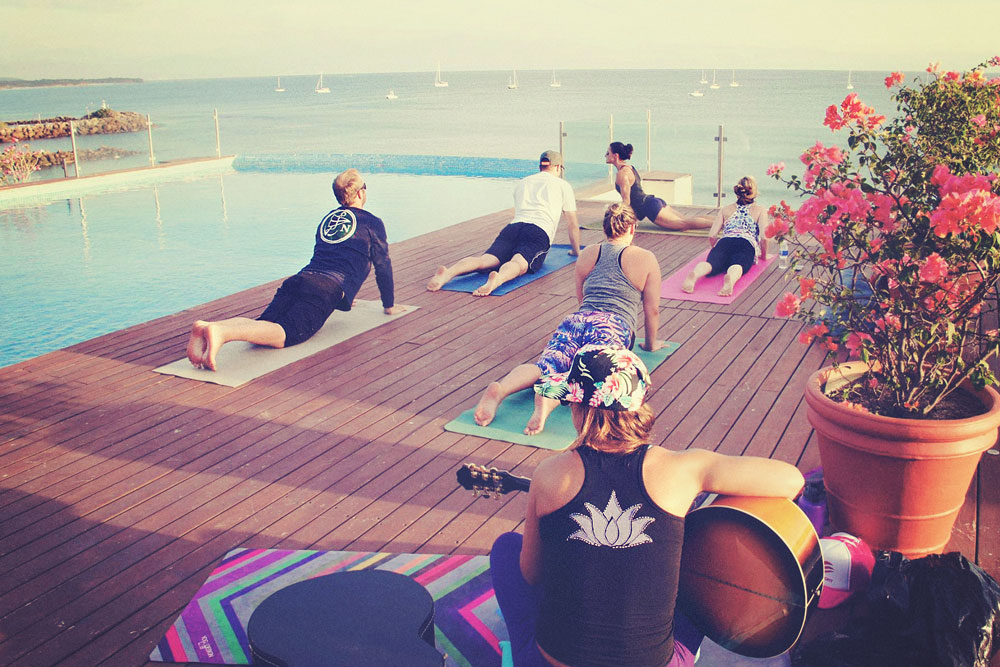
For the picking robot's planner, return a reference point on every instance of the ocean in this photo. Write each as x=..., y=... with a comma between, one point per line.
x=75, y=268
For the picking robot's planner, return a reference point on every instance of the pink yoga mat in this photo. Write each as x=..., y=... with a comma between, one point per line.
x=706, y=291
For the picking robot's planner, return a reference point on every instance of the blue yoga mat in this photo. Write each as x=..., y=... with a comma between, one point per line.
x=514, y=412
x=557, y=258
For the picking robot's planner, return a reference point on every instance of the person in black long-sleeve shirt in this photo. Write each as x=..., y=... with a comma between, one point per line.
x=349, y=241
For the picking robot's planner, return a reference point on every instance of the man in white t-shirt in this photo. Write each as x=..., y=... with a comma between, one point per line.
x=539, y=201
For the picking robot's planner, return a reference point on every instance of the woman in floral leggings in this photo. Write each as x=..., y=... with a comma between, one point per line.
x=613, y=281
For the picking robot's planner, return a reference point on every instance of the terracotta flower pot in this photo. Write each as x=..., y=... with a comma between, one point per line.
x=896, y=483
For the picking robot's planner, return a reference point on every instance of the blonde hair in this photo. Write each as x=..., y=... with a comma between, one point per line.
x=746, y=190
x=347, y=185
x=618, y=219
x=614, y=431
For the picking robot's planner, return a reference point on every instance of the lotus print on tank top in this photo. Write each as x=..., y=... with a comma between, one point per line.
x=614, y=527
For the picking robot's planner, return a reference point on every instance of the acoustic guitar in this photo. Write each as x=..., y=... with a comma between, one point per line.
x=750, y=569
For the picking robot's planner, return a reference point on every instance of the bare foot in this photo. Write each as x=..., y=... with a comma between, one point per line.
x=491, y=284
x=488, y=404
x=535, y=424
x=439, y=279
x=727, y=287
x=197, y=345
x=213, y=341
x=688, y=284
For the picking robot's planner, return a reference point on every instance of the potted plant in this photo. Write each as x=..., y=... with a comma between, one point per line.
x=898, y=246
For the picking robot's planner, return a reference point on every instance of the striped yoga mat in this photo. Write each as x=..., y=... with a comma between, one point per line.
x=212, y=627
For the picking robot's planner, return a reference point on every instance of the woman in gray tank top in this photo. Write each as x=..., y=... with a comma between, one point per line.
x=614, y=280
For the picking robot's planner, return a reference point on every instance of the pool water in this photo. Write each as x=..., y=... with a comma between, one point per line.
x=79, y=268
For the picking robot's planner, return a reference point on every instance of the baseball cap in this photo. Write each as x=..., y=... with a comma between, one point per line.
x=847, y=568
x=611, y=377
x=550, y=157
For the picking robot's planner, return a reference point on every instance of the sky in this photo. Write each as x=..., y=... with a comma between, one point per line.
x=180, y=39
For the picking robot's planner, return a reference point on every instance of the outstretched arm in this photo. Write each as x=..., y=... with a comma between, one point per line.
x=743, y=475
x=651, y=305
x=624, y=182
x=379, y=255
x=713, y=233
x=573, y=227
x=762, y=224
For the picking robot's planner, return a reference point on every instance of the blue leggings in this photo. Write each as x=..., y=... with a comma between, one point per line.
x=520, y=603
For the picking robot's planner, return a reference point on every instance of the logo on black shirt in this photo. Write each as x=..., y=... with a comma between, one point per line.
x=338, y=225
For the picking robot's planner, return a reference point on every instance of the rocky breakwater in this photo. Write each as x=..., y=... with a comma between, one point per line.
x=102, y=121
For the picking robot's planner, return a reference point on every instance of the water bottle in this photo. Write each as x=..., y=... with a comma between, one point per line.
x=783, y=254
x=813, y=502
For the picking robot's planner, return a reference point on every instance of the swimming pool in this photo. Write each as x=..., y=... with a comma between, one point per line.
x=78, y=268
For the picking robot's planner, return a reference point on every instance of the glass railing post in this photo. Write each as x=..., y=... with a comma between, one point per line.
x=218, y=143
x=149, y=132
x=719, y=194
x=72, y=138
x=649, y=142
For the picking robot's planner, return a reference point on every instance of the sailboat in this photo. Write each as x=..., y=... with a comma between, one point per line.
x=279, y=89
x=512, y=81
x=850, y=86
x=703, y=79
x=438, y=83
x=734, y=83
x=714, y=85
x=554, y=84
x=696, y=93
x=320, y=88
x=391, y=95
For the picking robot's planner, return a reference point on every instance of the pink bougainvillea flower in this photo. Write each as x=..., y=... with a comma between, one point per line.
x=777, y=227
x=815, y=331
x=934, y=268
x=855, y=341
x=979, y=120
x=994, y=61
x=893, y=79
x=788, y=306
x=775, y=168
x=952, y=76
x=934, y=67
x=805, y=287
x=833, y=119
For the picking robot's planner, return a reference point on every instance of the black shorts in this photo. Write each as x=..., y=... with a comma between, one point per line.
x=302, y=305
x=524, y=239
x=649, y=208
x=729, y=251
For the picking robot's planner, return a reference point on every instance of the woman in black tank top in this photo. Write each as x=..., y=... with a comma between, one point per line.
x=593, y=580
x=629, y=186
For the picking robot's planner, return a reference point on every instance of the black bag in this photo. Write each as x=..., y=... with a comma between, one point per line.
x=935, y=611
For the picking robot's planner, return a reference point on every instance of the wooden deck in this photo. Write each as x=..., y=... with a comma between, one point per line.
x=121, y=488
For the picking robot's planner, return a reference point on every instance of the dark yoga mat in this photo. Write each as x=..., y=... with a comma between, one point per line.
x=557, y=258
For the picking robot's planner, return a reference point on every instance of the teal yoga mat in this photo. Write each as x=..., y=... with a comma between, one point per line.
x=557, y=258
x=508, y=425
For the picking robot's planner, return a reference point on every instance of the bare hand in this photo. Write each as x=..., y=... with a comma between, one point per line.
x=395, y=310
x=651, y=346
x=574, y=253
x=712, y=241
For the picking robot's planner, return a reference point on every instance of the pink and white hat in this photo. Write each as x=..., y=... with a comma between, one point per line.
x=847, y=568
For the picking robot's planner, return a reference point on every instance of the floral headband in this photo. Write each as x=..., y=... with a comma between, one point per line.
x=601, y=376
